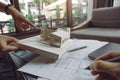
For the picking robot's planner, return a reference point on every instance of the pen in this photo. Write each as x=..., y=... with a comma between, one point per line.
x=116, y=59
x=77, y=48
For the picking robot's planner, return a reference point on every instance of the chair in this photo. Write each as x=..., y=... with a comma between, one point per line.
x=104, y=25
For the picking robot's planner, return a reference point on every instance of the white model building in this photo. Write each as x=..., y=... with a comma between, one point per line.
x=56, y=37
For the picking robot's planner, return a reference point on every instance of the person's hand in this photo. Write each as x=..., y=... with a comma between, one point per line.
x=106, y=70
x=7, y=43
x=21, y=22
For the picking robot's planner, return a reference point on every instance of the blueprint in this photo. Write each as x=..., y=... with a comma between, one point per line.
x=71, y=66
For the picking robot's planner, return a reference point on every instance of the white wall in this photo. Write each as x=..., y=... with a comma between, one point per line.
x=116, y=3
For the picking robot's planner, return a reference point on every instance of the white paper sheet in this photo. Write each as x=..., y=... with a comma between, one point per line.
x=69, y=67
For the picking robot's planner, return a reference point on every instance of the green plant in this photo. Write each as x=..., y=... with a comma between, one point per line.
x=39, y=4
x=65, y=16
x=11, y=27
x=57, y=15
x=57, y=11
x=65, y=13
x=29, y=15
x=47, y=2
x=78, y=10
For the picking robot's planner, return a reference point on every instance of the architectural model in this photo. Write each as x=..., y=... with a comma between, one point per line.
x=55, y=37
x=51, y=43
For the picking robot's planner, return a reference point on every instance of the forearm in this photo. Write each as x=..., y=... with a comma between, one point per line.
x=19, y=19
x=10, y=9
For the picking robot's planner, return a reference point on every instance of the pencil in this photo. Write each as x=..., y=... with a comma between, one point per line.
x=77, y=48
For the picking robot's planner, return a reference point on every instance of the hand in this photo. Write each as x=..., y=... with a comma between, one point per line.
x=106, y=70
x=7, y=43
x=21, y=22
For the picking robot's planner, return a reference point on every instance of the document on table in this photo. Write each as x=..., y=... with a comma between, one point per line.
x=71, y=66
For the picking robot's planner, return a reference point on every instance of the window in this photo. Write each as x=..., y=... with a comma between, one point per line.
x=6, y=22
x=116, y=3
x=29, y=8
x=81, y=10
x=54, y=12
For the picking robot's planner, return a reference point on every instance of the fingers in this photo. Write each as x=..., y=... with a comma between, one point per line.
x=27, y=22
x=109, y=55
x=24, y=26
x=11, y=39
x=106, y=67
x=100, y=67
x=94, y=72
x=33, y=25
x=103, y=76
x=20, y=19
x=7, y=38
x=27, y=25
x=6, y=43
x=22, y=23
x=8, y=47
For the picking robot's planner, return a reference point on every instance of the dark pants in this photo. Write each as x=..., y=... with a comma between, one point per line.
x=7, y=68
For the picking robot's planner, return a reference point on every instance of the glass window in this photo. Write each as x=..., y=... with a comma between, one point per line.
x=79, y=11
x=56, y=13
x=49, y=13
x=53, y=13
x=29, y=9
x=116, y=3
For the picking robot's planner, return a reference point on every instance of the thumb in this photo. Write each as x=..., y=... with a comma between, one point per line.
x=103, y=66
